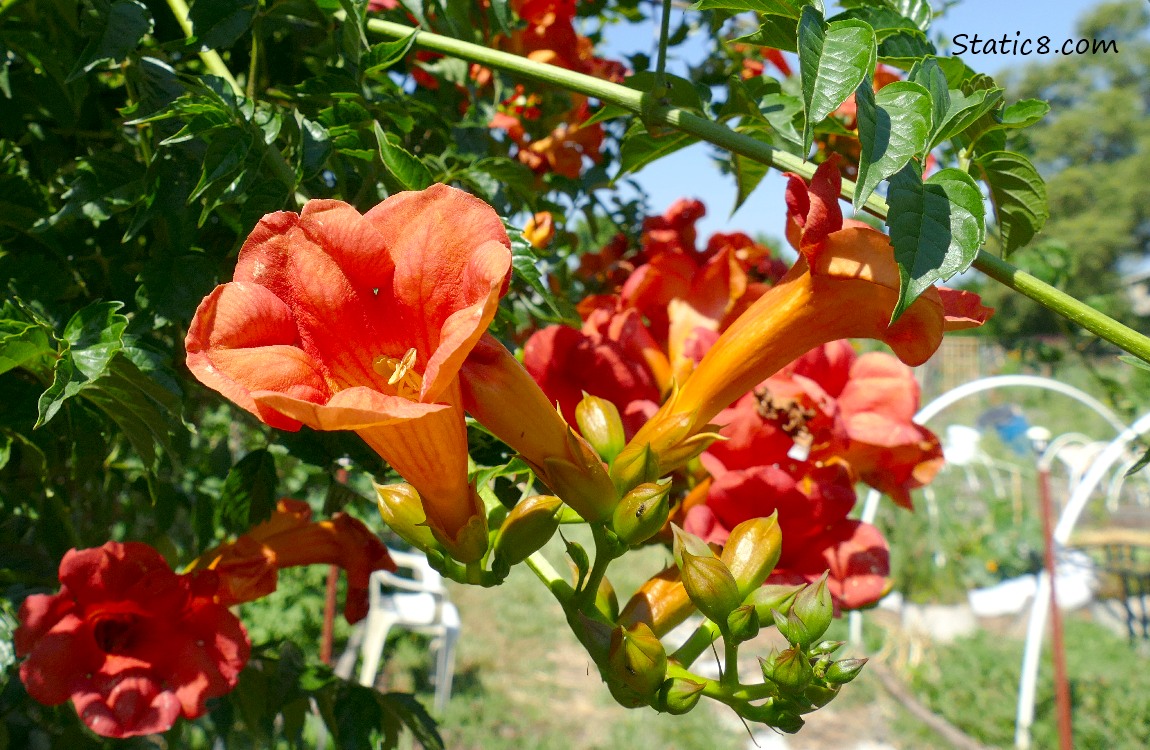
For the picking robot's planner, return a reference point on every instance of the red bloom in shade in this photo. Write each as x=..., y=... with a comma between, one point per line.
x=612, y=357
x=812, y=503
x=248, y=568
x=877, y=399
x=348, y=322
x=133, y=645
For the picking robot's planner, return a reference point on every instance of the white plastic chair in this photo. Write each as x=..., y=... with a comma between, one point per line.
x=418, y=603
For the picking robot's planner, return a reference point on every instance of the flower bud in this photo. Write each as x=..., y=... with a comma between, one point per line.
x=792, y=628
x=634, y=465
x=625, y=696
x=539, y=230
x=528, y=526
x=637, y=659
x=606, y=600
x=789, y=669
x=679, y=695
x=827, y=647
x=773, y=596
x=601, y=426
x=642, y=512
x=815, y=608
x=752, y=551
x=743, y=623
x=819, y=696
x=580, y=479
x=842, y=672
x=595, y=635
x=402, y=511
x=775, y=714
x=661, y=602
x=710, y=585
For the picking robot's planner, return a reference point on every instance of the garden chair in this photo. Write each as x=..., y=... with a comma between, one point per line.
x=415, y=599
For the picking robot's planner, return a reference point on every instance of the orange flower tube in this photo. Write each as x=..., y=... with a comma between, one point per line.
x=844, y=285
x=343, y=321
x=248, y=568
x=499, y=392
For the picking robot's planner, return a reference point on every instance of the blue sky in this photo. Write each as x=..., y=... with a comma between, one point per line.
x=692, y=172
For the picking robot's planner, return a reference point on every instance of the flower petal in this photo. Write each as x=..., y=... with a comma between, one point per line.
x=352, y=409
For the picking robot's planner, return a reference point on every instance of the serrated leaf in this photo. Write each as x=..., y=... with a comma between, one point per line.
x=139, y=407
x=94, y=335
x=893, y=126
x=936, y=228
x=884, y=20
x=640, y=148
x=217, y=24
x=249, y=492
x=223, y=159
x=1024, y=113
x=385, y=54
x=115, y=30
x=963, y=110
x=503, y=16
x=1018, y=194
x=918, y=11
x=905, y=47
x=408, y=170
x=833, y=60
x=411, y=714
x=23, y=343
x=779, y=32
x=777, y=7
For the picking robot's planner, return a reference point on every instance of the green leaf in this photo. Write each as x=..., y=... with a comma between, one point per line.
x=217, y=24
x=94, y=335
x=578, y=556
x=963, y=110
x=1140, y=464
x=385, y=54
x=1019, y=196
x=918, y=11
x=894, y=126
x=140, y=407
x=1024, y=113
x=503, y=15
x=776, y=31
x=1138, y=362
x=414, y=716
x=833, y=60
x=905, y=47
x=249, y=493
x=115, y=30
x=223, y=159
x=936, y=228
x=640, y=148
x=788, y=8
x=884, y=20
x=22, y=343
x=748, y=174
x=408, y=170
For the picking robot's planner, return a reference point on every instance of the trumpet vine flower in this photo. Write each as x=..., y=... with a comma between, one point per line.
x=343, y=321
x=844, y=285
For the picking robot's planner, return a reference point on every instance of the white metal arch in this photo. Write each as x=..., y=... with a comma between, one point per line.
x=1029, y=672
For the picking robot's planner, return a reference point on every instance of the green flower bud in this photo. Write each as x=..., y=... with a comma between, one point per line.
x=625, y=696
x=827, y=647
x=710, y=585
x=773, y=596
x=815, y=608
x=819, y=696
x=690, y=542
x=402, y=511
x=599, y=421
x=637, y=659
x=743, y=623
x=789, y=669
x=580, y=479
x=679, y=695
x=775, y=714
x=642, y=512
x=595, y=635
x=752, y=551
x=635, y=464
x=528, y=527
x=842, y=672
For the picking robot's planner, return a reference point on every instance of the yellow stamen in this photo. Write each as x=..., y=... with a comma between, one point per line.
x=401, y=373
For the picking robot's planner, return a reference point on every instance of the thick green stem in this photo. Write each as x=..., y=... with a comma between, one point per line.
x=660, y=89
x=699, y=642
x=605, y=552
x=551, y=578
x=722, y=136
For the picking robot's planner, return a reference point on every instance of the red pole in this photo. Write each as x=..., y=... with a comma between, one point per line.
x=1061, y=683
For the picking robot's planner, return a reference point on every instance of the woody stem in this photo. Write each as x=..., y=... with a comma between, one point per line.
x=720, y=135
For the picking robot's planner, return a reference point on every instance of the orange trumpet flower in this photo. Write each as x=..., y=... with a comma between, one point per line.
x=343, y=321
x=844, y=285
x=248, y=568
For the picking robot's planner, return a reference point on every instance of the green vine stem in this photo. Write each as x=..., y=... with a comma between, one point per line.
x=720, y=135
x=660, y=88
x=212, y=60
